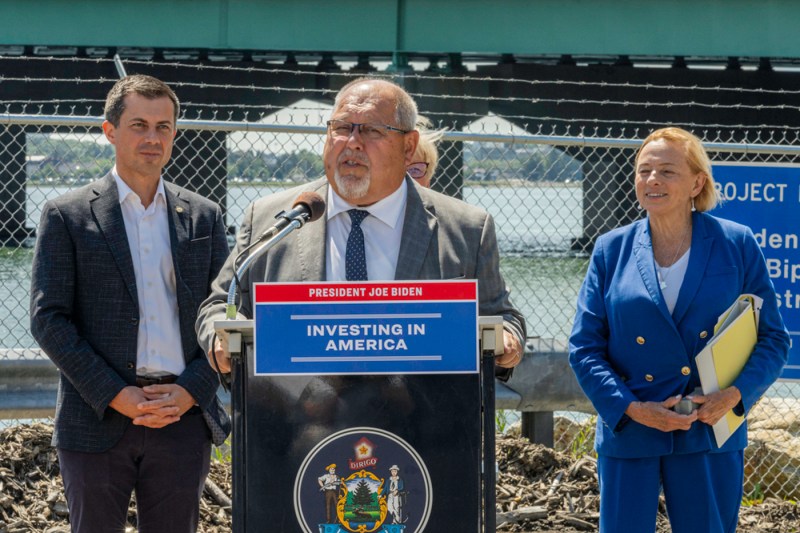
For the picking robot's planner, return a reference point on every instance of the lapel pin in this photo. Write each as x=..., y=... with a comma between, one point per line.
x=179, y=209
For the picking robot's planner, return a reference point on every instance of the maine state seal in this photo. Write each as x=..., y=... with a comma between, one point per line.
x=363, y=480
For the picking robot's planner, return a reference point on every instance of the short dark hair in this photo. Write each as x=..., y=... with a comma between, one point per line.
x=147, y=86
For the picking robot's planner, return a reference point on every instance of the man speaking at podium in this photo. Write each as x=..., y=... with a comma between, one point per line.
x=379, y=225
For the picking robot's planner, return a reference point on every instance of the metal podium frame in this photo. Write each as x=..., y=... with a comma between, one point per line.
x=240, y=339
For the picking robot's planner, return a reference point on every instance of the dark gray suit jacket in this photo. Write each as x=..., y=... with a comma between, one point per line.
x=443, y=238
x=85, y=311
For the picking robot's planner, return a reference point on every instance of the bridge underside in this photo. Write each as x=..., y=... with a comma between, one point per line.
x=504, y=89
x=404, y=28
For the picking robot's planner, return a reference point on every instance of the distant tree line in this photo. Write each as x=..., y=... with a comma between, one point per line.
x=52, y=159
x=249, y=166
x=55, y=160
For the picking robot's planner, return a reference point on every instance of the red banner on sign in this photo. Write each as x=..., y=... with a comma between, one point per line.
x=365, y=292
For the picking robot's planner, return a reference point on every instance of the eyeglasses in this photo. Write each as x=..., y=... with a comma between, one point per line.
x=417, y=170
x=371, y=131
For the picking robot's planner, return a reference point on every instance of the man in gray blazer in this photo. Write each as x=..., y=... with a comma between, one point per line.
x=119, y=270
x=408, y=232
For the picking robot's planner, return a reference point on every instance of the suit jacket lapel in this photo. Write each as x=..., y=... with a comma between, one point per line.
x=310, y=255
x=419, y=225
x=179, y=216
x=108, y=214
x=645, y=263
x=179, y=221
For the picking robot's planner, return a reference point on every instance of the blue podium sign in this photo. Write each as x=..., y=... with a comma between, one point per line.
x=404, y=327
x=765, y=198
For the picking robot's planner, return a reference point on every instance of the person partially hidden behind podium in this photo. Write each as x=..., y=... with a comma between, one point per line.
x=648, y=306
x=379, y=224
x=119, y=269
x=426, y=157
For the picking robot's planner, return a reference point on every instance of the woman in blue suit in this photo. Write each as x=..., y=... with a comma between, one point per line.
x=652, y=295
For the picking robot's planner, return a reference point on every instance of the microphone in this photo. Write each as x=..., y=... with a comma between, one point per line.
x=307, y=207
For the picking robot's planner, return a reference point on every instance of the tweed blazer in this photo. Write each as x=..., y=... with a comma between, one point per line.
x=85, y=313
x=443, y=238
x=626, y=346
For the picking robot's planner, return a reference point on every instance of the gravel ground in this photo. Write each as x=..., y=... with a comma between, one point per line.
x=542, y=490
x=538, y=490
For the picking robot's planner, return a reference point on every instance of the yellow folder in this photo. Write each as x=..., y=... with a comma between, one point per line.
x=725, y=355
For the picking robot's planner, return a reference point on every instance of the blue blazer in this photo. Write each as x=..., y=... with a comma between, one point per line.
x=625, y=346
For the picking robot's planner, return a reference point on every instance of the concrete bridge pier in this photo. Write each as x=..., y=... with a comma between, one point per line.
x=609, y=199
x=200, y=163
x=13, y=176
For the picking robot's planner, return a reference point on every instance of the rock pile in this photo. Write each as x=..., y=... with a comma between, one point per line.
x=32, y=494
x=542, y=490
x=538, y=490
x=773, y=455
x=538, y=486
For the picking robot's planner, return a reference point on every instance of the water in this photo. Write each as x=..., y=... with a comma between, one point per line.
x=15, y=275
x=528, y=218
x=535, y=227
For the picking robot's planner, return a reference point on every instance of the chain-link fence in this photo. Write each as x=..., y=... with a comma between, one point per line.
x=552, y=187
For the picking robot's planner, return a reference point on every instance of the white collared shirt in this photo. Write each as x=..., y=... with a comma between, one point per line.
x=158, y=349
x=383, y=230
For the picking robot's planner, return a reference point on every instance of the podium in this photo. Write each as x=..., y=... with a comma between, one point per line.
x=385, y=453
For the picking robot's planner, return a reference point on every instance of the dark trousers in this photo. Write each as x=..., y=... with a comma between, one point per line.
x=330, y=506
x=166, y=467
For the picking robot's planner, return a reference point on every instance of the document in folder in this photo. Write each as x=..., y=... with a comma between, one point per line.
x=725, y=355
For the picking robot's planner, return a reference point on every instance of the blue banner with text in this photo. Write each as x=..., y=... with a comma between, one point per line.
x=767, y=198
x=409, y=327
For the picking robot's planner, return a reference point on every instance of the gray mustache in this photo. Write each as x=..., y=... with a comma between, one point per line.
x=350, y=154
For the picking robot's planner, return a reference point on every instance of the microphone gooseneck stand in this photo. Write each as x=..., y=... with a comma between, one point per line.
x=230, y=308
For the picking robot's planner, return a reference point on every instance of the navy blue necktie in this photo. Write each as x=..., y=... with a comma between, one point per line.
x=355, y=260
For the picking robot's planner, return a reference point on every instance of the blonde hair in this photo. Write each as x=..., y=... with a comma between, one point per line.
x=697, y=159
x=427, y=146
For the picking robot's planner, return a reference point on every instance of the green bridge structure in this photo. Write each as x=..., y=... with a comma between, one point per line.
x=665, y=51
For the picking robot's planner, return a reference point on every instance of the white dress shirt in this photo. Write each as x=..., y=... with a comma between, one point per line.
x=383, y=230
x=159, y=348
